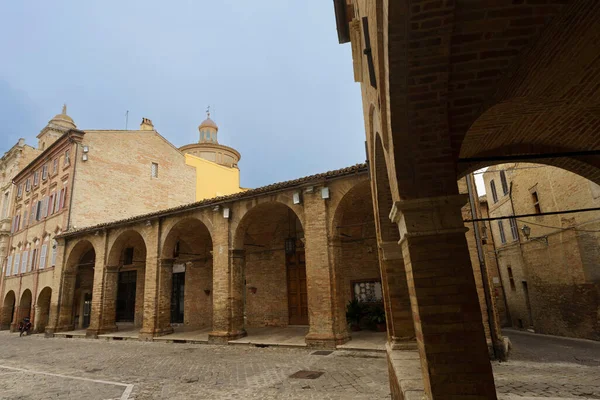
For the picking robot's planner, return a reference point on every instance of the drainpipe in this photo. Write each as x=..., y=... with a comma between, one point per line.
x=72, y=185
x=482, y=267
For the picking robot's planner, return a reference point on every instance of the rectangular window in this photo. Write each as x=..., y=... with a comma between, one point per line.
x=514, y=231
x=51, y=204
x=57, y=202
x=25, y=220
x=55, y=166
x=16, y=264
x=511, y=279
x=128, y=259
x=36, y=178
x=24, y=262
x=5, y=204
x=504, y=183
x=367, y=291
x=32, y=213
x=33, y=260
x=502, y=235
x=8, y=265
x=536, y=202
x=154, y=170
x=67, y=158
x=54, y=251
x=45, y=172
x=43, y=256
x=20, y=191
x=28, y=185
x=494, y=193
x=45, y=207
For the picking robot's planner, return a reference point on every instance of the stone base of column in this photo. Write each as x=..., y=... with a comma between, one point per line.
x=396, y=343
x=4, y=327
x=220, y=337
x=149, y=335
x=326, y=341
x=92, y=333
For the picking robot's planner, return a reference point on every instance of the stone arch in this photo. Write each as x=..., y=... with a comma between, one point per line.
x=270, y=298
x=25, y=305
x=77, y=286
x=42, y=310
x=188, y=246
x=8, y=310
x=127, y=261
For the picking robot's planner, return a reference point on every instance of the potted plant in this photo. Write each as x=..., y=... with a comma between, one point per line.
x=354, y=311
x=378, y=318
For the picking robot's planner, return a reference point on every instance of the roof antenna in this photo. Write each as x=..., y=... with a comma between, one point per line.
x=126, y=119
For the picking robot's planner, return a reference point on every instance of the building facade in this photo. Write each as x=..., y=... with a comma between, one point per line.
x=550, y=264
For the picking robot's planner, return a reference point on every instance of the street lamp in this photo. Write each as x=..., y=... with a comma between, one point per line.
x=527, y=233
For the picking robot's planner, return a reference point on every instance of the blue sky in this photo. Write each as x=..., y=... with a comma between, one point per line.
x=280, y=86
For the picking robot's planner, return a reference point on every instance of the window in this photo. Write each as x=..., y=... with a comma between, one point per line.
x=45, y=172
x=24, y=262
x=25, y=220
x=67, y=158
x=33, y=259
x=38, y=210
x=367, y=291
x=8, y=265
x=128, y=256
x=16, y=264
x=51, y=202
x=514, y=231
x=54, y=251
x=43, y=256
x=36, y=178
x=501, y=229
x=536, y=202
x=57, y=202
x=494, y=193
x=504, y=183
x=20, y=191
x=55, y=166
x=63, y=198
x=511, y=279
x=154, y=170
x=44, y=207
x=5, y=204
x=28, y=185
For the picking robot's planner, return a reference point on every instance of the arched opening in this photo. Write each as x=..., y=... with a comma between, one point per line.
x=272, y=239
x=188, y=246
x=8, y=310
x=547, y=260
x=25, y=306
x=127, y=257
x=42, y=310
x=359, y=293
x=78, y=285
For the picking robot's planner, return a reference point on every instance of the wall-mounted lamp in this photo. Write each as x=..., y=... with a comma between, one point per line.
x=216, y=208
x=252, y=289
x=86, y=149
x=290, y=246
x=296, y=198
x=325, y=193
x=527, y=233
x=207, y=292
x=148, y=223
x=310, y=189
x=226, y=212
x=84, y=157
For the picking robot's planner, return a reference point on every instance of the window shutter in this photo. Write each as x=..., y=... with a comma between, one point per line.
x=25, y=220
x=51, y=204
x=62, y=198
x=16, y=264
x=54, y=251
x=24, y=262
x=32, y=260
x=56, y=202
x=45, y=207
x=65, y=197
x=43, y=256
x=8, y=266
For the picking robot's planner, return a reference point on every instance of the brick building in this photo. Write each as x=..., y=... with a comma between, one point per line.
x=81, y=178
x=552, y=276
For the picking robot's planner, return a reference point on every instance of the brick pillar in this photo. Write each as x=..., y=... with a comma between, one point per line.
x=104, y=299
x=57, y=289
x=65, y=310
x=320, y=281
x=399, y=320
x=228, y=294
x=157, y=305
x=445, y=306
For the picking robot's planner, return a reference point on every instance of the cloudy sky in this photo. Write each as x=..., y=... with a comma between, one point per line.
x=280, y=86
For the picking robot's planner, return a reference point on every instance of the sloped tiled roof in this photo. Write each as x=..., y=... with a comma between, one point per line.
x=275, y=187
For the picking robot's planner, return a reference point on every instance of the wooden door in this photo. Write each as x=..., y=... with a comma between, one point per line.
x=126, y=296
x=296, y=285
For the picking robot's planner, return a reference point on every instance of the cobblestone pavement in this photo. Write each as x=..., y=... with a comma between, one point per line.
x=37, y=368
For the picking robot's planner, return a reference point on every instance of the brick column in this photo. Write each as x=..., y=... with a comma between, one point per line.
x=157, y=305
x=104, y=299
x=320, y=282
x=57, y=289
x=399, y=320
x=65, y=309
x=443, y=296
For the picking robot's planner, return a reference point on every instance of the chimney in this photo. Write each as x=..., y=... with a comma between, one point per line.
x=146, y=125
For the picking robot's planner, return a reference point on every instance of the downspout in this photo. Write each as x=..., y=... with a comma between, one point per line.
x=72, y=184
x=482, y=267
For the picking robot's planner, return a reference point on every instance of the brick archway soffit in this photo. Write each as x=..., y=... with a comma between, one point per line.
x=10, y=296
x=347, y=200
x=117, y=244
x=77, y=250
x=184, y=229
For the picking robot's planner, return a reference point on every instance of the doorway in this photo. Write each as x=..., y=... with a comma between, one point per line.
x=296, y=288
x=126, y=296
x=87, y=309
x=177, y=298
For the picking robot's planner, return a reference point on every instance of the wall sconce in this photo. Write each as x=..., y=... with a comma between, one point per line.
x=296, y=198
x=527, y=233
x=310, y=189
x=290, y=246
x=86, y=149
x=325, y=193
x=216, y=208
x=84, y=157
x=226, y=212
x=252, y=289
x=207, y=292
x=148, y=223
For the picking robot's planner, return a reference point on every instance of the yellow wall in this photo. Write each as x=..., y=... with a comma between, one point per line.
x=213, y=180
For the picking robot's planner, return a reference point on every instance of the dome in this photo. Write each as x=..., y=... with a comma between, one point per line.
x=208, y=123
x=63, y=119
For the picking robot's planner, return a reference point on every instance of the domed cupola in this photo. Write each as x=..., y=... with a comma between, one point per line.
x=208, y=130
x=57, y=126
